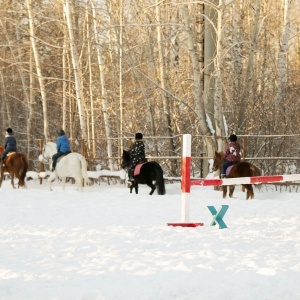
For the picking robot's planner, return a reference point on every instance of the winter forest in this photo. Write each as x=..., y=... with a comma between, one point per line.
x=104, y=70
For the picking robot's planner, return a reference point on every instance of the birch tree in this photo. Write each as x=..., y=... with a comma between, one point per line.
x=38, y=68
x=198, y=88
x=164, y=82
x=76, y=69
x=104, y=96
x=282, y=56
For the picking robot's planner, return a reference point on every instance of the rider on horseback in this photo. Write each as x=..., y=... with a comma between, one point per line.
x=137, y=155
x=10, y=144
x=232, y=154
x=63, y=147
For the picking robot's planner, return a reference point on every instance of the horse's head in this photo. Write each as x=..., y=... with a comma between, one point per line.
x=125, y=159
x=49, y=149
x=218, y=159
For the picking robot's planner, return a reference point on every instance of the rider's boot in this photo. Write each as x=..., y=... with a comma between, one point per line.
x=130, y=176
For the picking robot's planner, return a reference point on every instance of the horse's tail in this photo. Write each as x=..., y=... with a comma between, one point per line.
x=23, y=170
x=255, y=170
x=159, y=178
x=84, y=170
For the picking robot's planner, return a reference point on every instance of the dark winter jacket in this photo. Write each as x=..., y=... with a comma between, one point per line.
x=137, y=152
x=233, y=152
x=10, y=145
x=63, y=144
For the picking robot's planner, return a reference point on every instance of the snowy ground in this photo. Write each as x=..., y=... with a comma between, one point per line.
x=105, y=243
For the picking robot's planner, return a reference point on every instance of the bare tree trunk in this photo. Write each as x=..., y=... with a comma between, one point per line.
x=164, y=85
x=249, y=74
x=282, y=57
x=64, y=87
x=218, y=105
x=77, y=71
x=38, y=68
x=107, y=125
x=198, y=89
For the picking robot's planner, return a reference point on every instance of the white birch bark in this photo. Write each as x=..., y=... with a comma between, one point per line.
x=38, y=69
x=282, y=55
x=218, y=105
x=249, y=74
x=164, y=83
x=107, y=125
x=199, y=103
x=76, y=70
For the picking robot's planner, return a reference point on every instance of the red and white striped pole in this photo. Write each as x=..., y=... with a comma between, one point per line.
x=186, y=177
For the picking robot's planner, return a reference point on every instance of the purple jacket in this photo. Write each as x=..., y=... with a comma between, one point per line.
x=233, y=152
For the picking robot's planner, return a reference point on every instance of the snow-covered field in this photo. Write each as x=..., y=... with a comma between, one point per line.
x=105, y=243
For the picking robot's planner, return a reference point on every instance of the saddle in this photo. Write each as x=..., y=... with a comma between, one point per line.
x=137, y=168
x=3, y=161
x=63, y=156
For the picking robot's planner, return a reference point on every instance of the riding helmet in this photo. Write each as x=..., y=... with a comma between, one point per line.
x=138, y=136
x=9, y=131
x=233, y=138
x=61, y=132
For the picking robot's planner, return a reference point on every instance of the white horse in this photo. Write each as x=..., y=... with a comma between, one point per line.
x=72, y=165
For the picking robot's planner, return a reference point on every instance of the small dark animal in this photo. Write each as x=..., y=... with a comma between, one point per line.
x=150, y=171
x=240, y=169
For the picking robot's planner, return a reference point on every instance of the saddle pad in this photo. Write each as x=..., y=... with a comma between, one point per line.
x=137, y=169
x=10, y=153
x=228, y=170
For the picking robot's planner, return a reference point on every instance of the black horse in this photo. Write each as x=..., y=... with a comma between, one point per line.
x=150, y=171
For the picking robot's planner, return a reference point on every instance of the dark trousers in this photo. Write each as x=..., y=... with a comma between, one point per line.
x=131, y=169
x=56, y=156
x=225, y=165
x=5, y=152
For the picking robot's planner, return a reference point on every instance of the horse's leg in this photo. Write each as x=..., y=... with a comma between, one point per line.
x=231, y=190
x=79, y=182
x=12, y=176
x=250, y=193
x=153, y=187
x=51, y=179
x=136, y=187
x=224, y=188
x=131, y=187
x=1, y=176
x=63, y=179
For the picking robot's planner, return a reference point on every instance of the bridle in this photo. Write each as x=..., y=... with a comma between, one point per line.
x=125, y=163
x=45, y=159
x=217, y=164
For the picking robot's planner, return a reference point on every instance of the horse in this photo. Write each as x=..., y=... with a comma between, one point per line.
x=149, y=172
x=71, y=165
x=240, y=169
x=16, y=164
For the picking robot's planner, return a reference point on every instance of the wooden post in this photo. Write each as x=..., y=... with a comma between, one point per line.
x=42, y=167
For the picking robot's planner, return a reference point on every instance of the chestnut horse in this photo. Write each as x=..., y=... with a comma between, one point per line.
x=240, y=169
x=16, y=164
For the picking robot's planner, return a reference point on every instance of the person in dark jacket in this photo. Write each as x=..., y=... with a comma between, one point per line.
x=232, y=154
x=63, y=148
x=10, y=144
x=137, y=154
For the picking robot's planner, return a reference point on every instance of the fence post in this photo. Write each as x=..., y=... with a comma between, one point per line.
x=42, y=167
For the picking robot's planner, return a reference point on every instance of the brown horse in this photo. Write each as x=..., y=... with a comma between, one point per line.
x=240, y=169
x=16, y=164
